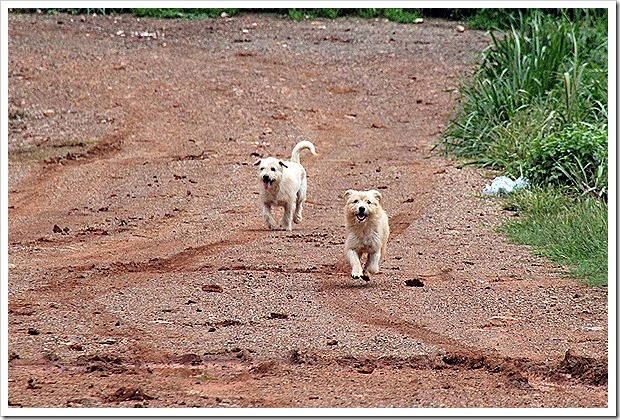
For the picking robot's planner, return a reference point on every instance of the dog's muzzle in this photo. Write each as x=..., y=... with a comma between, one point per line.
x=362, y=214
x=267, y=181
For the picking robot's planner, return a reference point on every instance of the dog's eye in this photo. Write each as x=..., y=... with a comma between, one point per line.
x=355, y=201
x=368, y=201
x=273, y=169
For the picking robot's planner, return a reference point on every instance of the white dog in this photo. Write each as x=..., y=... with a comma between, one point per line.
x=284, y=184
x=367, y=231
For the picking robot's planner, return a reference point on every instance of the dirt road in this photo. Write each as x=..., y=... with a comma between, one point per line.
x=141, y=273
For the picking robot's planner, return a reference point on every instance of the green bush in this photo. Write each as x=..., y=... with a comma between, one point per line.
x=534, y=82
x=575, y=156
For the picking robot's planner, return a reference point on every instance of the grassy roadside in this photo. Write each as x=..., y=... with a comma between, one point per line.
x=571, y=231
x=537, y=107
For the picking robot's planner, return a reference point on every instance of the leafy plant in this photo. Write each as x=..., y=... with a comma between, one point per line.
x=575, y=156
x=531, y=82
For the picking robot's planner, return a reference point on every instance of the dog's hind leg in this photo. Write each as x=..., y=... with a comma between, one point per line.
x=268, y=217
x=356, y=266
x=301, y=197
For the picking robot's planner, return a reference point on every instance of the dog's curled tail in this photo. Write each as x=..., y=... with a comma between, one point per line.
x=302, y=145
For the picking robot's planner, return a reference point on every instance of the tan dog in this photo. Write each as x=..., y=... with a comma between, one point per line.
x=367, y=231
x=284, y=184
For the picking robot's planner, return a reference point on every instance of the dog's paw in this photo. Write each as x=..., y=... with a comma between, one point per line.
x=373, y=269
x=356, y=274
x=297, y=219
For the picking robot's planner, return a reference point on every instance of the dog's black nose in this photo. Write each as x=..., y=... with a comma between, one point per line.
x=266, y=178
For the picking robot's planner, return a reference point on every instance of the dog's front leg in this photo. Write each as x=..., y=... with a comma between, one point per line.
x=268, y=217
x=356, y=266
x=372, y=264
x=287, y=218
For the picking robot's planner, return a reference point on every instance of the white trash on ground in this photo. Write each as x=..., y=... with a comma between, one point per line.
x=505, y=185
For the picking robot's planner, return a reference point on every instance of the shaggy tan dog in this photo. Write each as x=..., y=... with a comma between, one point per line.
x=367, y=231
x=283, y=184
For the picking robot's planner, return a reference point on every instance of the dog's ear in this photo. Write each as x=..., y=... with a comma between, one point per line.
x=376, y=194
x=348, y=193
x=283, y=164
x=257, y=162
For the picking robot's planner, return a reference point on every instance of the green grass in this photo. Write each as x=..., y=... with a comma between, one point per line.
x=396, y=15
x=482, y=18
x=571, y=231
x=203, y=13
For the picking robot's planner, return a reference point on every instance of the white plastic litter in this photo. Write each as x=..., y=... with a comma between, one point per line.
x=505, y=185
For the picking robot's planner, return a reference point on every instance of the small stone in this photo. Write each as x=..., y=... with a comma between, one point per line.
x=32, y=384
x=502, y=320
x=366, y=369
x=33, y=331
x=586, y=328
x=76, y=346
x=129, y=394
x=332, y=342
x=414, y=283
x=460, y=28
x=418, y=20
x=212, y=288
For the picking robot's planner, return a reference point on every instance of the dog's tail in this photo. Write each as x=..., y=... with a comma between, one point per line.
x=302, y=145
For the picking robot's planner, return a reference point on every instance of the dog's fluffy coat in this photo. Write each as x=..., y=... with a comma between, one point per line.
x=367, y=231
x=284, y=184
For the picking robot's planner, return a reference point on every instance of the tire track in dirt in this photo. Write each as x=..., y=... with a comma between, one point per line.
x=30, y=190
x=188, y=260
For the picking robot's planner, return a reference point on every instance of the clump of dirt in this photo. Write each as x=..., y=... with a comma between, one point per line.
x=585, y=369
x=129, y=394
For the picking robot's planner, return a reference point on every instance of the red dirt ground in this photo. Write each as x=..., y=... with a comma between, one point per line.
x=141, y=273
